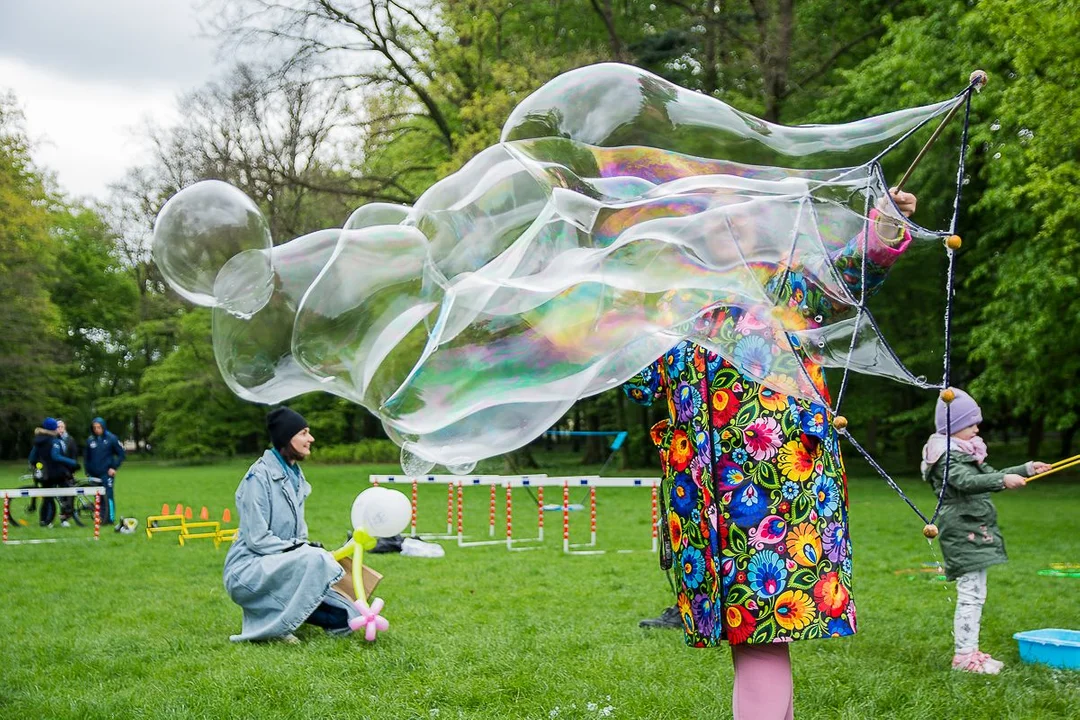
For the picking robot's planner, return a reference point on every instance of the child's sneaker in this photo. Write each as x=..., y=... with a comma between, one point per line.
x=993, y=665
x=977, y=662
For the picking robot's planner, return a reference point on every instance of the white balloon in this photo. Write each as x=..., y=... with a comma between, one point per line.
x=381, y=512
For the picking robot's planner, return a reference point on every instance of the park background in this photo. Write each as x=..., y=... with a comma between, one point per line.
x=336, y=105
x=323, y=105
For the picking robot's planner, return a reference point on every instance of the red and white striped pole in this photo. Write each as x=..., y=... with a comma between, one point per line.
x=566, y=516
x=414, y=507
x=540, y=519
x=97, y=516
x=655, y=518
x=509, y=516
x=592, y=514
x=491, y=512
x=460, y=502
x=450, y=508
x=7, y=509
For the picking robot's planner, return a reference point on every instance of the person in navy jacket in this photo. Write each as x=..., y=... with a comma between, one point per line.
x=49, y=465
x=104, y=454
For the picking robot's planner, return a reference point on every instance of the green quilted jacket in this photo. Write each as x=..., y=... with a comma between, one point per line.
x=969, y=534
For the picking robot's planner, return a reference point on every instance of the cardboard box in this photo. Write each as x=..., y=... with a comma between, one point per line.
x=369, y=577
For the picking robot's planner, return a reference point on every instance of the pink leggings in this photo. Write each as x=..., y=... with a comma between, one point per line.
x=763, y=688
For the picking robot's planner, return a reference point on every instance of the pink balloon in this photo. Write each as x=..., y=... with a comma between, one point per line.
x=369, y=619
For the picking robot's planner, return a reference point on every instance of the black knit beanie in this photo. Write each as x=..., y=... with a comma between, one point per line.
x=283, y=425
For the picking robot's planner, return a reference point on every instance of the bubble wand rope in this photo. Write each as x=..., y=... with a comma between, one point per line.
x=976, y=82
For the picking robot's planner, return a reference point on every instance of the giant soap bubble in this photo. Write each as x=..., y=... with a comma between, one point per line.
x=208, y=227
x=618, y=215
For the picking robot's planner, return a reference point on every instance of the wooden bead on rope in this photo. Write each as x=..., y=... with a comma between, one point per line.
x=948, y=395
x=839, y=422
x=978, y=78
x=953, y=242
x=930, y=531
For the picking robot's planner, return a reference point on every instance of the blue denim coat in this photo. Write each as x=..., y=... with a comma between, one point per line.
x=270, y=571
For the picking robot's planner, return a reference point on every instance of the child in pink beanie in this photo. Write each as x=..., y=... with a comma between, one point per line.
x=970, y=538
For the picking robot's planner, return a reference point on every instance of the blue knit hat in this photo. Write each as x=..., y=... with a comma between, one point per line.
x=964, y=413
x=50, y=424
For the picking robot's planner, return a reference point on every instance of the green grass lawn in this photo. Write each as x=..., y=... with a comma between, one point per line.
x=136, y=628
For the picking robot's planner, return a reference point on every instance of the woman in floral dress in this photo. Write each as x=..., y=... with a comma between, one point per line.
x=754, y=485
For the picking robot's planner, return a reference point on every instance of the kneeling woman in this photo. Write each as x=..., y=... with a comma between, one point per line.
x=272, y=571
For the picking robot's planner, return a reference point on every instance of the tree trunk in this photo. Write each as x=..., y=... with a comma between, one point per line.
x=623, y=425
x=1067, y=437
x=648, y=450
x=775, y=56
x=872, y=436
x=520, y=459
x=607, y=15
x=711, y=80
x=371, y=426
x=595, y=449
x=1035, y=436
x=575, y=441
x=136, y=432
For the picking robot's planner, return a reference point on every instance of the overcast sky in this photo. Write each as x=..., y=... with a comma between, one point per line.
x=88, y=72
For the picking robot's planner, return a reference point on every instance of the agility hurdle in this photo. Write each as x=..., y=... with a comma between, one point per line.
x=455, y=519
x=206, y=533
x=592, y=483
x=97, y=492
x=450, y=481
x=154, y=527
x=539, y=482
x=455, y=509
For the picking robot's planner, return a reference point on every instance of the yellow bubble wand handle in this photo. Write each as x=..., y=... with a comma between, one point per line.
x=1066, y=461
x=1066, y=464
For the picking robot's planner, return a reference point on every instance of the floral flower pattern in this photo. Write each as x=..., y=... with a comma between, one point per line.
x=753, y=482
x=794, y=610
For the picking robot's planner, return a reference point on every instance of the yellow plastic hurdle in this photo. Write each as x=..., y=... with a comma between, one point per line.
x=183, y=527
x=186, y=535
x=151, y=530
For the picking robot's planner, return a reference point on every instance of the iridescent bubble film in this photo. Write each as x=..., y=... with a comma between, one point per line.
x=618, y=215
x=199, y=230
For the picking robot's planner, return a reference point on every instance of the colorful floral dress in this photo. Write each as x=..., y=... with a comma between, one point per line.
x=753, y=483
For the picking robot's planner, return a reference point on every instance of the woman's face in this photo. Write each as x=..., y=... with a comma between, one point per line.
x=301, y=444
x=967, y=433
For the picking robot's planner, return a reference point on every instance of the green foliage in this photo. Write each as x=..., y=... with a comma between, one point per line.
x=1026, y=340
x=366, y=451
x=413, y=90
x=193, y=412
x=30, y=323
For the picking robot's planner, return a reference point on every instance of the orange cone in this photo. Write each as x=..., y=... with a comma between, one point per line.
x=165, y=508
x=187, y=513
x=204, y=514
x=226, y=516
x=179, y=509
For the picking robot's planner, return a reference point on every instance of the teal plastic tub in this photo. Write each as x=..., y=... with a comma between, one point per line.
x=1050, y=646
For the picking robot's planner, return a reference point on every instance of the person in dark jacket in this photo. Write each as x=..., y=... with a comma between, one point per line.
x=104, y=454
x=970, y=538
x=71, y=450
x=50, y=465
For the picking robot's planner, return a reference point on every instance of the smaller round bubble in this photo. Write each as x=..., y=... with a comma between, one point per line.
x=199, y=230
